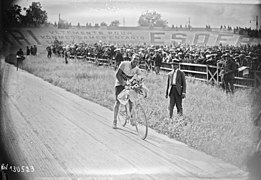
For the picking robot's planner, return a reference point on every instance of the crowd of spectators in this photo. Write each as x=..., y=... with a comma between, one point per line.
x=242, y=31
x=244, y=55
x=31, y=50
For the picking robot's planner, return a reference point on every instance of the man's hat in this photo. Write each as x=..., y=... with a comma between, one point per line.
x=175, y=61
x=225, y=55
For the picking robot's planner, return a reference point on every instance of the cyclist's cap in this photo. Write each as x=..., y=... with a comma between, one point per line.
x=135, y=57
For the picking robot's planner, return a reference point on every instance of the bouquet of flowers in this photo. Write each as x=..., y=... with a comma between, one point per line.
x=136, y=85
x=134, y=90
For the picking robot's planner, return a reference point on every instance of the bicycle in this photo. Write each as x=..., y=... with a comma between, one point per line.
x=257, y=122
x=134, y=115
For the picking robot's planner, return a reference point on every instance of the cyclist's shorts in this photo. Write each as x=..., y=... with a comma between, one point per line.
x=118, y=90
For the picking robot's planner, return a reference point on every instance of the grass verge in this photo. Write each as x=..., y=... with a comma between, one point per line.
x=216, y=123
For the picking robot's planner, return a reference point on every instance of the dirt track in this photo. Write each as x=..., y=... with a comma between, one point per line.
x=63, y=136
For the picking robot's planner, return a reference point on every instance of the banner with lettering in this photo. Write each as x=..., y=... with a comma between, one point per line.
x=45, y=36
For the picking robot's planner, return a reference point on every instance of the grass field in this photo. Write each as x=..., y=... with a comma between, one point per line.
x=216, y=123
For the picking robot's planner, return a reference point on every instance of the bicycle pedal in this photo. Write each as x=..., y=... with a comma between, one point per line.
x=133, y=123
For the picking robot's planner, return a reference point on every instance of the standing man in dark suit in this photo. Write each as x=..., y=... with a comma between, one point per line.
x=176, y=88
x=158, y=60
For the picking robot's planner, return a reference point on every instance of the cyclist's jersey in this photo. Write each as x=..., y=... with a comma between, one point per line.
x=125, y=66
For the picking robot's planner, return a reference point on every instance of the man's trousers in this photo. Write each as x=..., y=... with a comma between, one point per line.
x=175, y=99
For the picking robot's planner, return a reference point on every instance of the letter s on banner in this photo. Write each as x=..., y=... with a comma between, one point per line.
x=179, y=37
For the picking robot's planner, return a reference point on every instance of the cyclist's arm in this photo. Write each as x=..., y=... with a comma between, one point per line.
x=120, y=76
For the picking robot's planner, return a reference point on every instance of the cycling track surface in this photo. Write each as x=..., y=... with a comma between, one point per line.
x=63, y=136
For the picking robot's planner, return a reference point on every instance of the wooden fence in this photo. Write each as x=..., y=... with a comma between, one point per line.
x=206, y=73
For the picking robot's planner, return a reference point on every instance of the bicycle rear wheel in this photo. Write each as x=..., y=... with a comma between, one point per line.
x=141, y=122
x=122, y=115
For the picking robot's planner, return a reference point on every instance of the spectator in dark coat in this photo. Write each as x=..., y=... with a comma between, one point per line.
x=49, y=51
x=35, y=50
x=32, y=50
x=28, y=52
x=176, y=88
x=158, y=61
x=228, y=73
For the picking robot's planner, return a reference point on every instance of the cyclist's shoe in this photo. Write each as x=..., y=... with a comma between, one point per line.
x=114, y=126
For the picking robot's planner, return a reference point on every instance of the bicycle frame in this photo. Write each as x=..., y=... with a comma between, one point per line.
x=133, y=113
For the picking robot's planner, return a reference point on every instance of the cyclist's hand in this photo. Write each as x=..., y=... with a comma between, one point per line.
x=166, y=96
x=124, y=83
x=183, y=95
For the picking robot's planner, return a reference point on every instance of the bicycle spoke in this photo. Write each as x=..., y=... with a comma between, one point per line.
x=258, y=147
x=141, y=122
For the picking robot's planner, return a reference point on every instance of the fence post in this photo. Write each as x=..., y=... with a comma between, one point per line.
x=207, y=73
x=255, y=79
x=217, y=75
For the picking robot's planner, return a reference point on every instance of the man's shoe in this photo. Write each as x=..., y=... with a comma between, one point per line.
x=114, y=126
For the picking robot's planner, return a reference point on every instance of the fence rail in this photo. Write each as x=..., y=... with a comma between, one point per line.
x=206, y=73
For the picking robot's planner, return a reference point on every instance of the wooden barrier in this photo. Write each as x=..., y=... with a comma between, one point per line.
x=206, y=73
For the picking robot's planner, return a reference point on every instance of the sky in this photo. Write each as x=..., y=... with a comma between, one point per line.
x=176, y=12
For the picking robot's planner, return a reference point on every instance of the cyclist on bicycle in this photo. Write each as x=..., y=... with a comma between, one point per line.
x=126, y=71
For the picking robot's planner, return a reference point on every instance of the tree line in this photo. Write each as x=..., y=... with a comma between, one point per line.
x=35, y=16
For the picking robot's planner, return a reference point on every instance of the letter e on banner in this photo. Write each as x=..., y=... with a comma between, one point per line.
x=156, y=37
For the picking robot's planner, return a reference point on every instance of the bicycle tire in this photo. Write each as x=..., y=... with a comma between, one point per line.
x=141, y=122
x=258, y=147
x=122, y=115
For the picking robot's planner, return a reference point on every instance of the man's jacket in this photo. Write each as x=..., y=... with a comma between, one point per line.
x=180, y=82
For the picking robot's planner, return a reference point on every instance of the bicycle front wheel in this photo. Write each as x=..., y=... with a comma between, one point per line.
x=141, y=122
x=122, y=115
x=258, y=147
